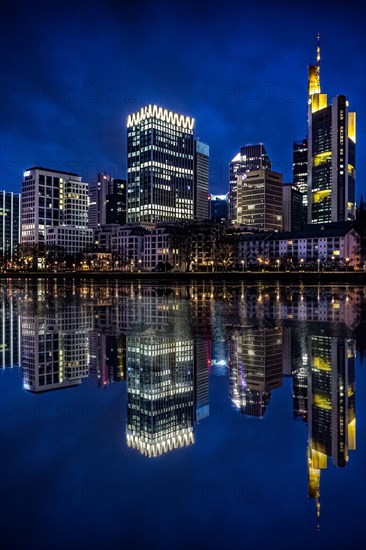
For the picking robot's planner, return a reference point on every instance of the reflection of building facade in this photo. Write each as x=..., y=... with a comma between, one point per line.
x=331, y=394
x=255, y=369
x=54, y=347
x=107, y=356
x=160, y=393
x=9, y=327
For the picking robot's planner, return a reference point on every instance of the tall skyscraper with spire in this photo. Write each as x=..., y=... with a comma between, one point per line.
x=331, y=153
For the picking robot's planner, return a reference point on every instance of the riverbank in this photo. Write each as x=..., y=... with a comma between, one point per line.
x=250, y=276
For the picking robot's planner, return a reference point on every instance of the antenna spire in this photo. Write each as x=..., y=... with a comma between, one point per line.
x=318, y=50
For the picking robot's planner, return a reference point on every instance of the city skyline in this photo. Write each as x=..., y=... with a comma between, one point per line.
x=257, y=91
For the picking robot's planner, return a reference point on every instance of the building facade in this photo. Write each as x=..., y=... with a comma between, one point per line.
x=332, y=246
x=300, y=172
x=331, y=154
x=259, y=200
x=9, y=223
x=218, y=207
x=160, y=166
x=55, y=209
x=201, y=171
x=107, y=201
x=250, y=158
x=292, y=208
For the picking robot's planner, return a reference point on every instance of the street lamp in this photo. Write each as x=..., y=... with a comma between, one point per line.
x=318, y=262
x=278, y=264
x=242, y=263
x=347, y=262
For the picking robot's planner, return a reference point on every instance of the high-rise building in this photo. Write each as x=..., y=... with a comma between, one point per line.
x=160, y=166
x=259, y=200
x=107, y=201
x=9, y=223
x=218, y=207
x=300, y=172
x=292, y=208
x=55, y=209
x=201, y=163
x=331, y=154
x=250, y=158
x=116, y=203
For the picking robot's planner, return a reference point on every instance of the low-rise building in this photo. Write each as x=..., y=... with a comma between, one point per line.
x=330, y=245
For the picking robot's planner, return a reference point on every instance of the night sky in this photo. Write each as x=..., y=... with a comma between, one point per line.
x=71, y=73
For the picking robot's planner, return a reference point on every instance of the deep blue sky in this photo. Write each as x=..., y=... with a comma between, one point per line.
x=71, y=73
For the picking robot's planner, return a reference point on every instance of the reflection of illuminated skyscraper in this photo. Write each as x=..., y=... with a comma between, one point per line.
x=107, y=354
x=160, y=393
x=255, y=369
x=54, y=347
x=201, y=401
x=331, y=394
x=9, y=328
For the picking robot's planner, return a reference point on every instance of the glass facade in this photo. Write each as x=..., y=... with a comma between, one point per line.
x=160, y=178
x=9, y=223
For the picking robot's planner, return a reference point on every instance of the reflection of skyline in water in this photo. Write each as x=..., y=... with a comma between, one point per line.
x=163, y=342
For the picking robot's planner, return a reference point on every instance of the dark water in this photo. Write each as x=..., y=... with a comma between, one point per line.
x=182, y=415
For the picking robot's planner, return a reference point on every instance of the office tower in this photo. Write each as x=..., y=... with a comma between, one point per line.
x=201, y=160
x=250, y=158
x=116, y=203
x=255, y=369
x=292, y=208
x=259, y=200
x=9, y=223
x=107, y=201
x=218, y=207
x=300, y=172
x=160, y=173
x=160, y=394
x=331, y=154
x=55, y=209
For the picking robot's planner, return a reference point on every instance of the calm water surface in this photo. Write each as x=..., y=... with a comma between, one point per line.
x=182, y=415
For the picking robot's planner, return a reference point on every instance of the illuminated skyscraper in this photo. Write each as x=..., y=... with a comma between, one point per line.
x=160, y=166
x=9, y=223
x=201, y=160
x=300, y=172
x=107, y=201
x=250, y=158
x=259, y=200
x=331, y=154
x=55, y=209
